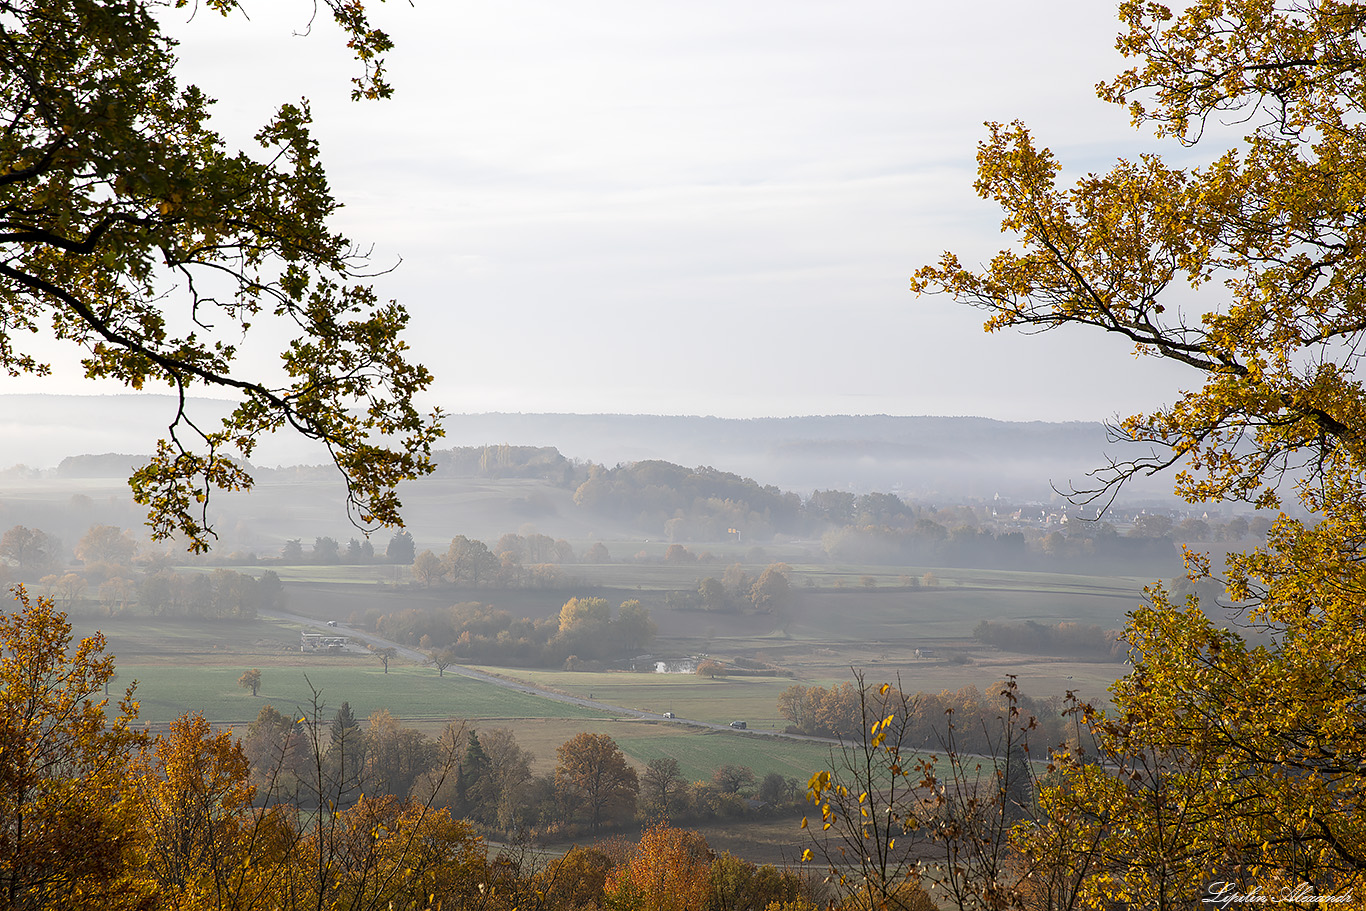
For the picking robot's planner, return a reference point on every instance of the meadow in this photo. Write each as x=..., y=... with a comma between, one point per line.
x=411, y=693
x=720, y=701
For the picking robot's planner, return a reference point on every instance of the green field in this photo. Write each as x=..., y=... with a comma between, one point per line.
x=699, y=754
x=410, y=693
x=721, y=701
x=143, y=640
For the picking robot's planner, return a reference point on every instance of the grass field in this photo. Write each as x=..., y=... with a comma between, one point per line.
x=699, y=753
x=750, y=699
x=410, y=693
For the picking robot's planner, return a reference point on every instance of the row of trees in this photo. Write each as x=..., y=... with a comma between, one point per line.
x=485, y=776
x=1079, y=640
x=586, y=629
x=736, y=589
x=222, y=594
x=33, y=550
x=327, y=551
x=532, y=560
x=704, y=504
x=665, y=793
x=927, y=543
x=506, y=461
x=926, y=720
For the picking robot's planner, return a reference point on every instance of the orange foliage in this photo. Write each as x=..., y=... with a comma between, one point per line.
x=65, y=812
x=669, y=871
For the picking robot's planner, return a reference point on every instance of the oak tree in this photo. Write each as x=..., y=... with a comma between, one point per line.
x=27, y=548
x=250, y=680
x=731, y=779
x=661, y=784
x=593, y=774
x=106, y=544
x=470, y=561
x=395, y=757
x=771, y=589
x=1233, y=754
x=66, y=816
x=428, y=569
x=131, y=232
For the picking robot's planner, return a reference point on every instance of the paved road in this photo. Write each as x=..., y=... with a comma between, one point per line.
x=620, y=711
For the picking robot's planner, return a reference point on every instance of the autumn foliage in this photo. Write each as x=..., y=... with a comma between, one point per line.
x=1233, y=751
x=668, y=871
x=98, y=816
x=66, y=814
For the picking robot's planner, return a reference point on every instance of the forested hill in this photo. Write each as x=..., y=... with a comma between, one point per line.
x=926, y=457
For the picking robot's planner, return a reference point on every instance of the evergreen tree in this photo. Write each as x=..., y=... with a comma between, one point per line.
x=477, y=783
x=401, y=548
x=345, y=759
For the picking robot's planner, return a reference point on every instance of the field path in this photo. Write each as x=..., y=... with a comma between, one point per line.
x=413, y=654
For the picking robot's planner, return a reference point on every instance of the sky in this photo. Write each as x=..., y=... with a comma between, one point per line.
x=696, y=208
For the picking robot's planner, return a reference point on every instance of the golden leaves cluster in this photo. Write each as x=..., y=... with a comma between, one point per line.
x=1234, y=746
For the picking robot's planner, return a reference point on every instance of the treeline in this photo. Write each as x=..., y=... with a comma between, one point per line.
x=690, y=504
x=738, y=590
x=1076, y=640
x=485, y=776
x=587, y=631
x=222, y=594
x=972, y=719
x=928, y=543
x=516, y=561
x=704, y=504
x=219, y=595
x=109, y=578
x=540, y=462
x=328, y=551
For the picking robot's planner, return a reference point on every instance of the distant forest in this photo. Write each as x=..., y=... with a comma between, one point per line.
x=694, y=507
x=705, y=504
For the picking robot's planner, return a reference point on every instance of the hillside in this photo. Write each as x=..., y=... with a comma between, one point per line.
x=947, y=458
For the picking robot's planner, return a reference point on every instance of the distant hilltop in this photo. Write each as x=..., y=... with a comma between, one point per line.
x=923, y=457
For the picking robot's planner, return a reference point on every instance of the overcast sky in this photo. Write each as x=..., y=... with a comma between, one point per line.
x=702, y=207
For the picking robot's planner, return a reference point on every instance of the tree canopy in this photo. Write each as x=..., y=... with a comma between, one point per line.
x=131, y=231
x=1239, y=741
x=1269, y=236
